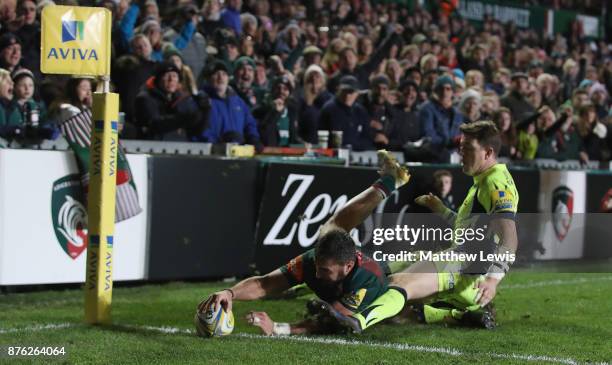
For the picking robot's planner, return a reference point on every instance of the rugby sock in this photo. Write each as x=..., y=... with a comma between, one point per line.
x=386, y=185
x=386, y=306
x=437, y=315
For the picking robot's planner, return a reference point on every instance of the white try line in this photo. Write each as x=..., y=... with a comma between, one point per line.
x=41, y=327
x=538, y=284
x=323, y=341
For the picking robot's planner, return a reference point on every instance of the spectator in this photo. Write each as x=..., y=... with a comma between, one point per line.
x=474, y=79
x=534, y=96
x=443, y=184
x=599, y=98
x=76, y=99
x=469, y=105
x=570, y=77
x=503, y=121
x=10, y=52
x=29, y=34
x=344, y=113
x=188, y=80
x=331, y=58
x=593, y=133
x=230, y=16
x=545, y=84
x=404, y=127
x=364, y=49
x=23, y=118
x=278, y=116
x=163, y=112
x=527, y=142
x=243, y=82
x=501, y=81
x=349, y=63
x=380, y=112
x=248, y=22
x=131, y=71
x=393, y=70
x=152, y=30
x=580, y=97
x=515, y=99
x=8, y=109
x=490, y=104
x=440, y=121
x=183, y=35
x=123, y=26
x=211, y=17
x=312, y=56
x=230, y=117
x=310, y=103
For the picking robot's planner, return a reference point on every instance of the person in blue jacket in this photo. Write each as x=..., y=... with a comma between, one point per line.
x=230, y=16
x=344, y=113
x=440, y=120
x=230, y=119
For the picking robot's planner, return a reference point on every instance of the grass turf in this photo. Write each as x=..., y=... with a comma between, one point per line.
x=563, y=317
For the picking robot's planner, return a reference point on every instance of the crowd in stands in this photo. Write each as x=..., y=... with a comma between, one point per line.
x=275, y=73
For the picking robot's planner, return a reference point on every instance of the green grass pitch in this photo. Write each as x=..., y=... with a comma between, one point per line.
x=543, y=318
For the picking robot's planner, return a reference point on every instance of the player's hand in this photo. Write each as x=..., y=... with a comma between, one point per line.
x=431, y=202
x=223, y=298
x=261, y=320
x=486, y=291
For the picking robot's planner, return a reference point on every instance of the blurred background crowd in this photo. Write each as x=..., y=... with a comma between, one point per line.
x=277, y=73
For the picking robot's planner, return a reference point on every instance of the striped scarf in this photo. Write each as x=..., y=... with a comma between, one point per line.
x=77, y=131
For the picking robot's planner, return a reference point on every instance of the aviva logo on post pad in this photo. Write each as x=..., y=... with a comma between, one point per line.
x=75, y=40
x=72, y=30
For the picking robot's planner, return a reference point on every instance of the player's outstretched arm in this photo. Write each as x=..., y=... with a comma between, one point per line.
x=270, y=328
x=505, y=229
x=307, y=326
x=253, y=288
x=392, y=177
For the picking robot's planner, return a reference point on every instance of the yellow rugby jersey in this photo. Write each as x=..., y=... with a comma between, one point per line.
x=493, y=193
x=492, y=196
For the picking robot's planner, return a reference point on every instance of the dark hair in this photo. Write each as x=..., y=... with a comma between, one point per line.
x=336, y=245
x=71, y=89
x=485, y=132
x=509, y=137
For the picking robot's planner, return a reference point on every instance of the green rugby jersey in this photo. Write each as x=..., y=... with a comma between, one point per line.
x=366, y=282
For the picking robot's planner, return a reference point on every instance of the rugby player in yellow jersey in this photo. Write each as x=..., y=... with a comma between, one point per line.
x=492, y=202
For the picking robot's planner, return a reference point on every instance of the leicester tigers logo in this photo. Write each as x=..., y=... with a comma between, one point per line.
x=563, y=210
x=69, y=215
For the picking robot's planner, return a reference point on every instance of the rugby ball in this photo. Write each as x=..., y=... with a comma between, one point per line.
x=214, y=322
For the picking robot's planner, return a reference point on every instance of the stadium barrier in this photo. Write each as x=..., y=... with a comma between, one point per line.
x=207, y=217
x=202, y=217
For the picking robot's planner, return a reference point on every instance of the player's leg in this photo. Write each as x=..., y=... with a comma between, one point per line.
x=418, y=282
x=356, y=210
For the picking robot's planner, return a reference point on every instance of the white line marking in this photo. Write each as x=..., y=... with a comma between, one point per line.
x=323, y=341
x=538, y=284
x=50, y=326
